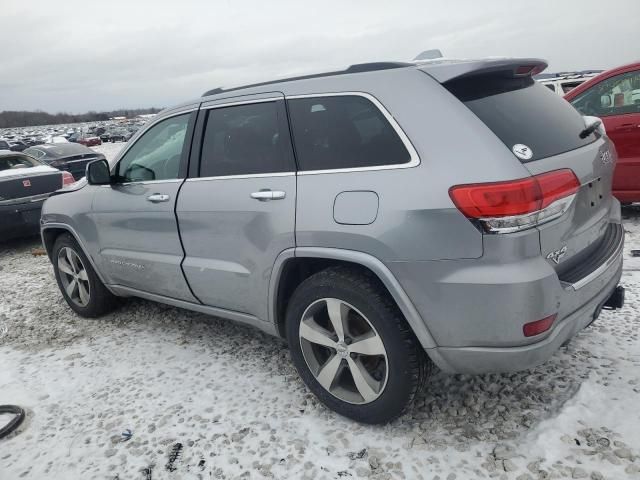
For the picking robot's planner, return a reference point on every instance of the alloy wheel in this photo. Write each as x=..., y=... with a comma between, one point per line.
x=73, y=276
x=343, y=351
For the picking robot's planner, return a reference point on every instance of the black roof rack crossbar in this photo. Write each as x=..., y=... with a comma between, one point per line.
x=357, y=68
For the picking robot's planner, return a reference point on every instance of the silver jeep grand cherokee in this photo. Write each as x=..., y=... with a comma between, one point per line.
x=383, y=219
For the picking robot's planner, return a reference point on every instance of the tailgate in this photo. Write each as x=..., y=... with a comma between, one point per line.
x=543, y=132
x=585, y=223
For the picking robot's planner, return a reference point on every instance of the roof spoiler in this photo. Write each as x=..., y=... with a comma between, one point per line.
x=507, y=67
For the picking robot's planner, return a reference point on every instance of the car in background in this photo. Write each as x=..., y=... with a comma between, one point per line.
x=25, y=183
x=562, y=83
x=89, y=141
x=17, y=146
x=70, y=157
x=4, y=145
x=614, y=97
x=119, y=135
x=56, y=139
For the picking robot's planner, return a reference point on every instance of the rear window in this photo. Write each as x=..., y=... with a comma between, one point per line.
x=522, y=111
x=344, y=131
x=16, y=162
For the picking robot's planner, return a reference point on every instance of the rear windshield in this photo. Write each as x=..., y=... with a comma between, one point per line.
x=522, y=111
x=16, y=162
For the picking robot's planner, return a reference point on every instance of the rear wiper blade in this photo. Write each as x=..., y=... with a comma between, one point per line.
x=590, y=129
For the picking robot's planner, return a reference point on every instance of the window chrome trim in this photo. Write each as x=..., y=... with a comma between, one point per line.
x=242, y=102
x=236, y=177
x=414, y=159
x=144, y=182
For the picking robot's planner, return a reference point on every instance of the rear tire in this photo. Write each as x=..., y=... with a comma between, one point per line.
x=389, y=369
x=77, y=280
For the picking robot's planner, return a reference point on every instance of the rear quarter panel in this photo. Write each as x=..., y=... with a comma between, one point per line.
x=416, y=218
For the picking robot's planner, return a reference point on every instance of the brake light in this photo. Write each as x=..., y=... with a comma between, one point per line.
x=503, y=207
x=528, y=70
x=539, y=326
x=67, y=179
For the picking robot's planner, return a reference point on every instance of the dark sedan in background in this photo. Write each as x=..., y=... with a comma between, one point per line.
x=70, y=157
x=25, y=183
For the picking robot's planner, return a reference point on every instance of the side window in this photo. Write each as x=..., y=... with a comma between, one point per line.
x=345, y=131
x=245, y=140
x=617, y=95
x=156, y=155
x=568, y=86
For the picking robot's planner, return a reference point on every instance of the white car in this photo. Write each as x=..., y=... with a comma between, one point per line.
x=563, y=83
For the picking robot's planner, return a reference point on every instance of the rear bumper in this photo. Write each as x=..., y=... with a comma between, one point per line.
x=476, y=360
x=475, y=310
x=20, y=219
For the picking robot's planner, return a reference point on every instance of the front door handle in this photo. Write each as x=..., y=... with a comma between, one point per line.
x=158, y=197
x=266, y=195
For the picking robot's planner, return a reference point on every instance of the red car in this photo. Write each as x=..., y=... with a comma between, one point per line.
x=614, y=96
x=89, y=141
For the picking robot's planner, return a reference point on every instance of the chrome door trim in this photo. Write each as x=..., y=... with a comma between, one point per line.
x=236, y=177
x=144, y=182
x=413, y=154
x=242, y=102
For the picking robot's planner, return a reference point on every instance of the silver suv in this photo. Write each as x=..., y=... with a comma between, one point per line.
x=383, y=219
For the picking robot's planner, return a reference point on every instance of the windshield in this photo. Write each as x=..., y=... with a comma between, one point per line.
x=522, y=111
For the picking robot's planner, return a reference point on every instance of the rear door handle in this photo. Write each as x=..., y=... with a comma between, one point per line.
x=266, y=195
x=158, y=197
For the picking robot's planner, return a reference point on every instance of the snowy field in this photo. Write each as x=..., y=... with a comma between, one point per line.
x=231, y=398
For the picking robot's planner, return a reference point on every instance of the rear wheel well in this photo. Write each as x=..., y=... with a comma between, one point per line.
x=298, y=269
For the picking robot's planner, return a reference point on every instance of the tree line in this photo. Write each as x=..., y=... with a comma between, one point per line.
x=10, y=119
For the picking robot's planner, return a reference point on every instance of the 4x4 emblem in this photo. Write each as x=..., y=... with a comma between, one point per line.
x=557, y=255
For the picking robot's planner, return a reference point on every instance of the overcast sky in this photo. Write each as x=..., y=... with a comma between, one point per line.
x=101, y=55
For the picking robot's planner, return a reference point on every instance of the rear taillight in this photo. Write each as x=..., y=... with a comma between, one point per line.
x=503, y=207
x=538, y=327
x=67, y=179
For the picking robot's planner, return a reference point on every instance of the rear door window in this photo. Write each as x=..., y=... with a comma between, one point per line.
x=345, y=131
x=522, y=111
x=246, y=139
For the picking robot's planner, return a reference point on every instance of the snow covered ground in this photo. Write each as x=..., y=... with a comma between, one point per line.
x=230, y=397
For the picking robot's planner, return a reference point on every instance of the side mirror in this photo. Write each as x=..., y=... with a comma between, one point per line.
x=98, y=173
x=605, y=101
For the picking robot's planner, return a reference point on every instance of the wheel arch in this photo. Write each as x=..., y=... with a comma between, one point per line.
x=294, y=265
x=51, y=231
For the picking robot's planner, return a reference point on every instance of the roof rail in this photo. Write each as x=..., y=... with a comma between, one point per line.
x=357, y=68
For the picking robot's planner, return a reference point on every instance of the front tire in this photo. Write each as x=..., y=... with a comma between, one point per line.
x=78, y=282
x=352, y=346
